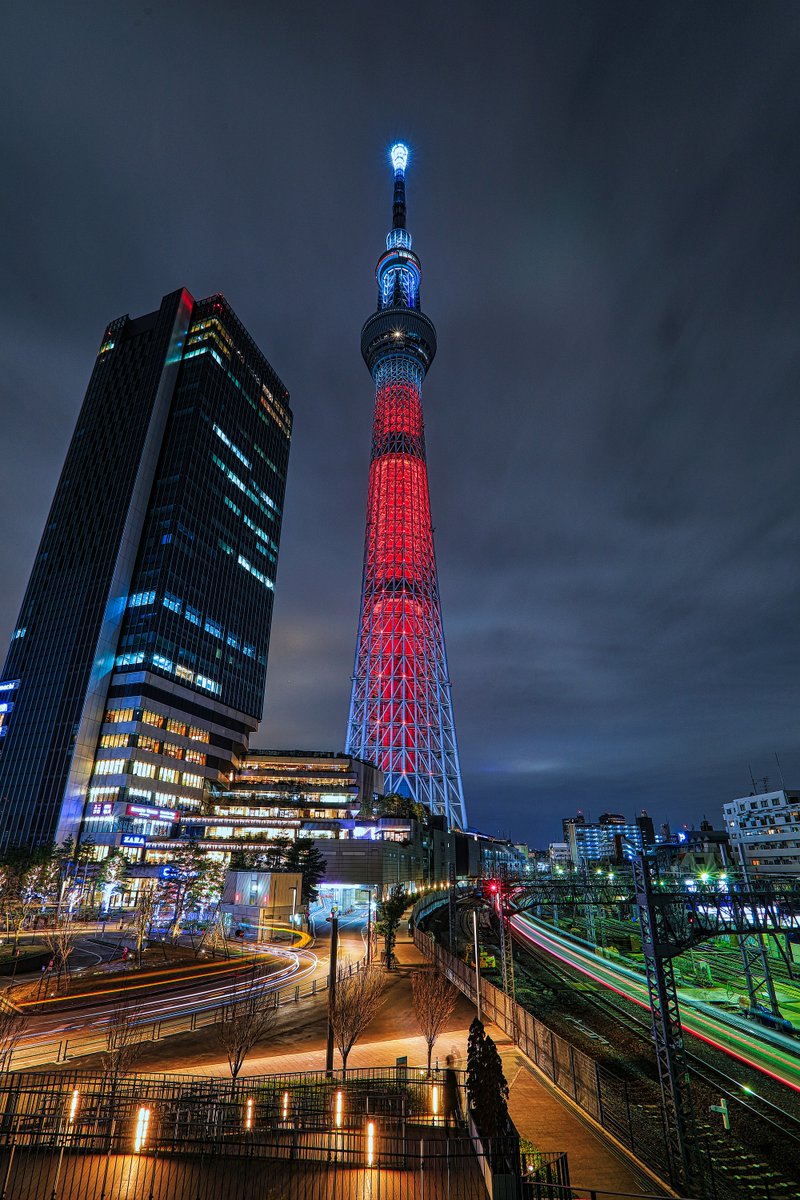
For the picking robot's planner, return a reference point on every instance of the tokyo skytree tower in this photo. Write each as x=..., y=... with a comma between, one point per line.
x=401, y=709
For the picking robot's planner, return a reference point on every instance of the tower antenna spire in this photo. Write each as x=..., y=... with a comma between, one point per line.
x=399, y=157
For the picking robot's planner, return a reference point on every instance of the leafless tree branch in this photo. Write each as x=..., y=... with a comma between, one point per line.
x=246, y=1019
x=12, y=1027
x=123, y=1040
x=433, y=998
x=358, y=997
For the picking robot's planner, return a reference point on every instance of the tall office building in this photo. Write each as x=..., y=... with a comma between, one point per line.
x=401, y=711
x=138, y=665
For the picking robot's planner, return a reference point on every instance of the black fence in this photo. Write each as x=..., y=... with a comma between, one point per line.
x=84, y=1136
x=627, y=1112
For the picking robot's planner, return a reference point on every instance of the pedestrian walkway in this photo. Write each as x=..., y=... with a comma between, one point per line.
x=299, y=1045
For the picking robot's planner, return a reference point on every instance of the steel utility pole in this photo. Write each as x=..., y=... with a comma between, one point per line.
x=660, y=946
x=332, y=991
x=755, y=962
x=451, y=905
x=477, y=962
x=506, y=947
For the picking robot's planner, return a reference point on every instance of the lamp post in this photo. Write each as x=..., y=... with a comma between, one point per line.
x=294, y=904
x=332, y=992
x=477, y=962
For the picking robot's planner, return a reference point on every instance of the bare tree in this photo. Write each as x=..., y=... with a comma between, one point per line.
x=60, y=939
x=147, y=902
x=214, y=938
x=13, y=1024
x=246, y=1019
x=433, y=998
x=358, y=997
x=124, y=1040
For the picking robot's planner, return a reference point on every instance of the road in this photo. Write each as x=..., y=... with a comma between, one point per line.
x=180, y=1002
x=766, y=1051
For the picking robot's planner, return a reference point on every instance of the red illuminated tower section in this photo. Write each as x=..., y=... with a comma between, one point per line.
x=401, y=711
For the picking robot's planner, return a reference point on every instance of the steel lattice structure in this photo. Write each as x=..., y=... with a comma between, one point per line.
x=401, y=710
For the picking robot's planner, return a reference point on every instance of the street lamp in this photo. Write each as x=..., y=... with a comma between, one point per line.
x=477, y=962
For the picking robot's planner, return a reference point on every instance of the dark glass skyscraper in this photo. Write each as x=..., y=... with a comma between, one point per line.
x=138, y=665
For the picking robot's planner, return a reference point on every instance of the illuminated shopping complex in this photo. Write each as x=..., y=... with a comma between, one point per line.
x=401, y=711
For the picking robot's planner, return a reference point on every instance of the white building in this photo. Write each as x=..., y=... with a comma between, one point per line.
x=767, y=827
x=559, y=855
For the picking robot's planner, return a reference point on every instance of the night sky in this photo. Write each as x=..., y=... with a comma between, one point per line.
x=606, y=201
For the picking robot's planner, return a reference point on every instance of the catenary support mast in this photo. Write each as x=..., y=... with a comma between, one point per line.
x=401, y=711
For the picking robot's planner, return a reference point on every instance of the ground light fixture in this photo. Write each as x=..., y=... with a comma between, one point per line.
x=73, y=1106
x=370, y=1143
x=142, y=1125
x=248, y=1113
x=285, y=1106
x=435, y=1103
x=338, y=1110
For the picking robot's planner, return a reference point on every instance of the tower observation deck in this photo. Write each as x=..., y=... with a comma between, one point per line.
x=401, y=710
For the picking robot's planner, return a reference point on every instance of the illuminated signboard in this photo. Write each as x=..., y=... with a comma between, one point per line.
x=134, y=839
x=152, y=814
x=104, y=809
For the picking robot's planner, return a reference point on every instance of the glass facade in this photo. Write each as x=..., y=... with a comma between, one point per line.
x=142, y=668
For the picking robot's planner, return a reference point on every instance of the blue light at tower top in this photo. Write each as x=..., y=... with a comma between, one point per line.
x=399, y=156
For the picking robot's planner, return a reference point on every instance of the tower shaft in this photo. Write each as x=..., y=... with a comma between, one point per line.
x=401, y=713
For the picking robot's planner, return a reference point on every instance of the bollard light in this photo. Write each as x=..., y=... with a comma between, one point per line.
x=338, y=1117
x=73, y=1106
x=435, y=1102
x=248, y=1113
x=370, y=1143
x=285, y=1105
x=142, y=1123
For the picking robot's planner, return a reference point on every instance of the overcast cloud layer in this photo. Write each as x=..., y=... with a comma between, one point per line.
x=605, y=198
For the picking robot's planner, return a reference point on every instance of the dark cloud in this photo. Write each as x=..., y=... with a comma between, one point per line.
x=605, y=199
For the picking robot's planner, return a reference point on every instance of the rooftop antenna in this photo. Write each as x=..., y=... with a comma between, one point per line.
x=780, y=772
x=752, y=780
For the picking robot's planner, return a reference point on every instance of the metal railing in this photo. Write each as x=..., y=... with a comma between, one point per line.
x=627, y=1112
x=81, y=1135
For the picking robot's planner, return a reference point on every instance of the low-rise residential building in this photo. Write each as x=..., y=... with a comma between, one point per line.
x=765, y=828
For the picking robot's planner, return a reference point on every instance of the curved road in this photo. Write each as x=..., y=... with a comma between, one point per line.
x=47, y=1033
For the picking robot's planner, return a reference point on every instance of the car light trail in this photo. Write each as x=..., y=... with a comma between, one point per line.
x=721, y=1032
x=299, y=965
